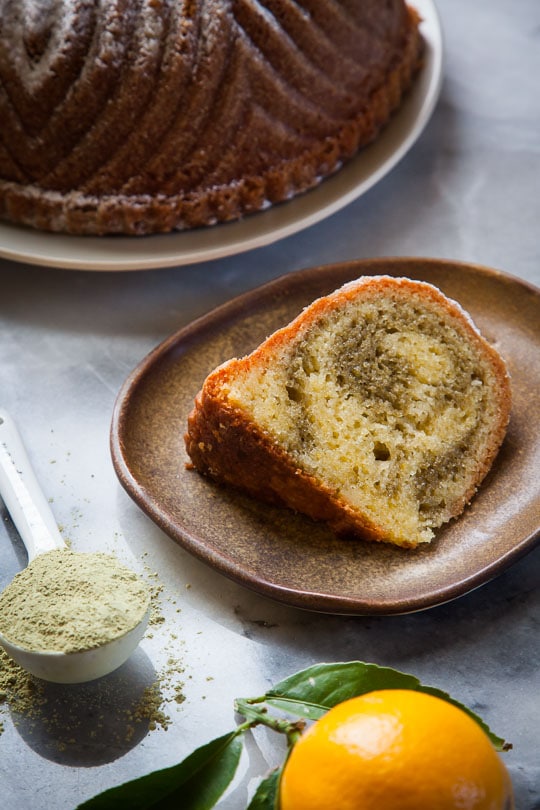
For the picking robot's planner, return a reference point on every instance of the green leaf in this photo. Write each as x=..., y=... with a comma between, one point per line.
x=312, y=691
x=266, y=795
x=195, y=784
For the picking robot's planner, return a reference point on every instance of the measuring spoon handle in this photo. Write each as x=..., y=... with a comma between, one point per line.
x=22, y=495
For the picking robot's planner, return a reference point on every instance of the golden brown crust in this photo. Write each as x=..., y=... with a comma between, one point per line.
x=231, y=450
x=224, y=443
x=55, y=179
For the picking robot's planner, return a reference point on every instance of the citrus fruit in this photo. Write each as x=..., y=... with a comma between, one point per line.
x=395, y=749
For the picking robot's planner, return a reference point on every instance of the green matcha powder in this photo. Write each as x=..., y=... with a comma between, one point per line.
x=66, y=601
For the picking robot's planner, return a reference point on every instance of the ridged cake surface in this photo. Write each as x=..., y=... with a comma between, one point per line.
x=379, y=410
x=141, y=116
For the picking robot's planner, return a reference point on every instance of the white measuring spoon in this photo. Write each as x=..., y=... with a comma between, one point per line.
x=37, y=527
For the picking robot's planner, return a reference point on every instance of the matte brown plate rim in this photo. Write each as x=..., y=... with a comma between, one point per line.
x=314, y=600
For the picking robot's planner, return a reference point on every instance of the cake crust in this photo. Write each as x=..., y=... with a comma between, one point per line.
x=222, y=445
x=226, y=443
x=153, y=117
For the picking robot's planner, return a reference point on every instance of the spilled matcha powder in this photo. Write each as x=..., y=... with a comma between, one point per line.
x=67, y=601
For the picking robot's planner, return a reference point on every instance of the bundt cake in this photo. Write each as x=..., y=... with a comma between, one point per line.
x=142, y=116
x=379, y=410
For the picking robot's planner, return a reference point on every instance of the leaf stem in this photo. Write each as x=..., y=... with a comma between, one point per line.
x=258, y=715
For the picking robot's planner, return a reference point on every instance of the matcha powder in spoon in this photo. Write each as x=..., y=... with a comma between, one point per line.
x=66, y=601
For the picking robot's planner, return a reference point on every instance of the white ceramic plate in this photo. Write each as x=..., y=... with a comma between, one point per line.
x=189, y=247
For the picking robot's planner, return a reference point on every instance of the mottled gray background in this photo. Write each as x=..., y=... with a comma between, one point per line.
x=469, y=190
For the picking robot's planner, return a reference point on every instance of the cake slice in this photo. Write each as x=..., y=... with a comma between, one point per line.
x=379, y=410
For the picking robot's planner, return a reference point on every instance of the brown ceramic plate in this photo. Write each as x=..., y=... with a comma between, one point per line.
x=283, y=555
